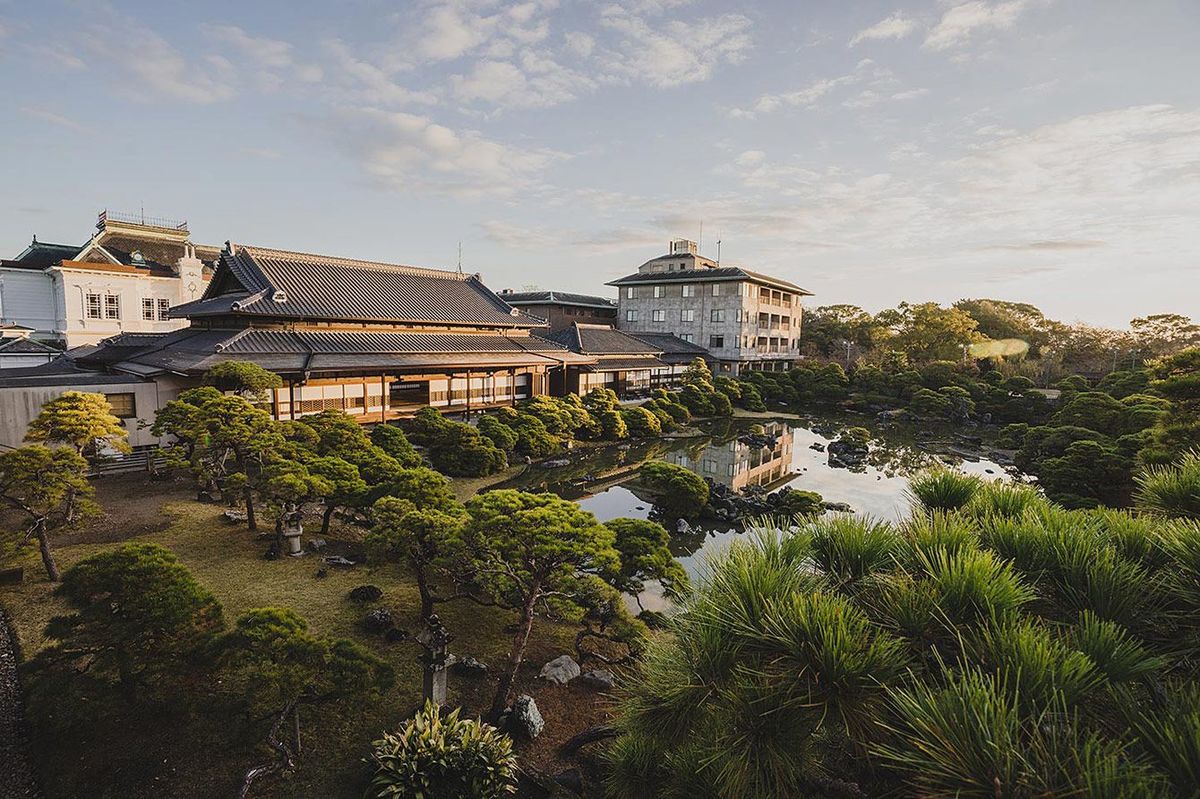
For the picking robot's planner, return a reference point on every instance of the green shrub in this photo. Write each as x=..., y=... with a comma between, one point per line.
x=442, y=757
x=425, y=427
x=974, y=584
x=533, y=439
x=391, y=440
x=641, y=423
x=1171, y=490
x=497, y=432
x=611, y=425
x=460, y=451
x=677, y=491
x=721, y=405
x=942, y=489
x=848, y=548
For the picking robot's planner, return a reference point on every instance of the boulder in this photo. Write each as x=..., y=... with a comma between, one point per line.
x=683, y=528
x=339, y=561
x=561, y=670
x=838, y=507
x=378, y=621
x=365, y=593
x=523, y=718
x=600, y=679
x=317, y=544
x=556, y=463
x=232, y=516
x=817, y=445
x=469, y=667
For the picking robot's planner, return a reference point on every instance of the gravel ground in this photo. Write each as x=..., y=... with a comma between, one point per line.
x=16, y=776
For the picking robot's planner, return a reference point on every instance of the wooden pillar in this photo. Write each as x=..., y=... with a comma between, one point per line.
x=382, y=398
x=512, y=386
x=468, y=395
x=292, y=399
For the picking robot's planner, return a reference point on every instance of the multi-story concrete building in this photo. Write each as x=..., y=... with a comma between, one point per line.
x=562, y=309
x=745, y=319
x=124, y=279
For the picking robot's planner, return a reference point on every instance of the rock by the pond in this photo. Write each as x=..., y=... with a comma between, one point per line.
x=232, y=516
x=378, y=621
x=683, y=528
x=339, y=561
x=561, y=670
x=469, y=667
x=365, y=593
x=600, y=679
x=555, y=463
x=524, y=718
x=838, y=507
x=845, y=454
x=317, y=544
x=817, y=445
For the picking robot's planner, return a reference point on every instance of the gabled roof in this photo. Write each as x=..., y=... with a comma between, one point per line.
x=599, y=340
x=59, y=372
x=706, y=275
x=557, y=298
x=42, y=254
x=260, y=282
x=196, y=350
x=13, y=345
x=669, y=343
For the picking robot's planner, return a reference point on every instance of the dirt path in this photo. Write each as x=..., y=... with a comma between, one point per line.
x=16, y=775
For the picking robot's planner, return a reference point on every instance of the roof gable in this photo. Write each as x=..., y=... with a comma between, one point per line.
x=599, y=340
x=293, y=285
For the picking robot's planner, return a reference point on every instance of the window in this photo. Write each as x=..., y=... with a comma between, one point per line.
x=689, y=290
x=123, y=405
x=148, y=309
x=631, y=292
x=687, y=316
x=686, y=337
x=717, y=315
x=716, y=342
x=710, y=466
x=112, y=306
x=93, y=307
x=659, y=315
x=164, y=308
x=631, y=315
x=658, y=291
x=716, y=289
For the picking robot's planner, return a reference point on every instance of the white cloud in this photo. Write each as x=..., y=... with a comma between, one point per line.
x=535, y=81
x=897, y=26
x=154, y=66
x=960, y=23
x=673, y=52
x=369, y=83
x=878, y=84
x=412, y=152
x=50, y=116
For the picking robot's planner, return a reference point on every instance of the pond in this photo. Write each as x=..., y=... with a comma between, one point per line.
x=597, y=478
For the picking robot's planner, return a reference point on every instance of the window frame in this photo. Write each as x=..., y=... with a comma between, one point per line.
x=116, y=411
x=112, y=306
x=95, y=311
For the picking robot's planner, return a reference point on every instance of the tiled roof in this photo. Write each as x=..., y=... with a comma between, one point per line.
x=59, y=372
x=722, y=273
x=195, y=350
x=625, y=364
x=254, y=281
x=11, y=345
x=557, y=298
x=669, y=343
x=42, y=254
x=598, y=340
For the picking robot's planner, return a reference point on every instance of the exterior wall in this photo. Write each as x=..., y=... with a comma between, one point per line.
x=757, y=325
x=19, y=406
x=28, y=297
x=559, y=317
x=53, y=302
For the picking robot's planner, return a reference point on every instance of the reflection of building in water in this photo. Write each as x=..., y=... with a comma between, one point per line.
x=738, y=465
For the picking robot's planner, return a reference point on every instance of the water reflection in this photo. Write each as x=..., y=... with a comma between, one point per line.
x=728, y=454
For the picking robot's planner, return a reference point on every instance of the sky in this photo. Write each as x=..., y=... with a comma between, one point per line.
x=872, y=151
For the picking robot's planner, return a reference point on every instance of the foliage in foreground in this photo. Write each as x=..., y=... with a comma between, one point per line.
x=994, y=644
x=444, y=757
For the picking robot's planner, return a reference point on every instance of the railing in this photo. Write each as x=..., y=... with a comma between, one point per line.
x=143, y=460
x=142, y=219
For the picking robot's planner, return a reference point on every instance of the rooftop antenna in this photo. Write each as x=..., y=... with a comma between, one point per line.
x=718, y=252
x=460, y=257
x=700, y=241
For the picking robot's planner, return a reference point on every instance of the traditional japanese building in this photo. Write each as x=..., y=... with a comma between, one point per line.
x=627, y=364
x=376, y=340
x=561, y=309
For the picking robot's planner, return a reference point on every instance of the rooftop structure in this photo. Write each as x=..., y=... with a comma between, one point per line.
x=562, y=309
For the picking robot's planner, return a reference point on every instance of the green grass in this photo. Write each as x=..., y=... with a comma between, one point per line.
x=207, y=755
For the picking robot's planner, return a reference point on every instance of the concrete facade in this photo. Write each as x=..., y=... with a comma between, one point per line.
x=746, y=320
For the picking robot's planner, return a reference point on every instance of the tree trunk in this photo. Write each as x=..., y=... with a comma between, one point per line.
x=47, y=554
x=296, y=730
x=325, y=519
x=425, y=593
x=500, y=701
x=248, y=493
x=284, y=758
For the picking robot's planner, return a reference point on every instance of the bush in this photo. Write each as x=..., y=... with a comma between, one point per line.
x=391, y=440
x=443, y=757
x=751, y=398
x=533, y=439
x=1172, y=491
x=610, y=424
x=721, y=405
x=460, y=451
x=677, y=491
x=425, y=427
x=641, y=423
x=942, y=489
x=498, y=433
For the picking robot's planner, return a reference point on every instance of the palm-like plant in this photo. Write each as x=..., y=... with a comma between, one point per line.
x=848, y=548
x=1001, y=499
x=1171, y=490
x=942, y=489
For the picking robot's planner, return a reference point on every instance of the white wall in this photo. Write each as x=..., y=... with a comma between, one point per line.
x=27, y=298
x=19, y=406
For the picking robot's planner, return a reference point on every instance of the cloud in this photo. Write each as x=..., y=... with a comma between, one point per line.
x=669, y=53
x=960, y=23
x=153, y=66
x=367, y=83
x=51, y=117
x=534, y=81
x=412, y=152
x=879, y=84
x=1048, y=246
x=897, y=26
x=271, y=61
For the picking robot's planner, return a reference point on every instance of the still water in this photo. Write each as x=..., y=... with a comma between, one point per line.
x=595, y=478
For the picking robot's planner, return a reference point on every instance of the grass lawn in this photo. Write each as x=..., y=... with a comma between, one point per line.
x=207, y=752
